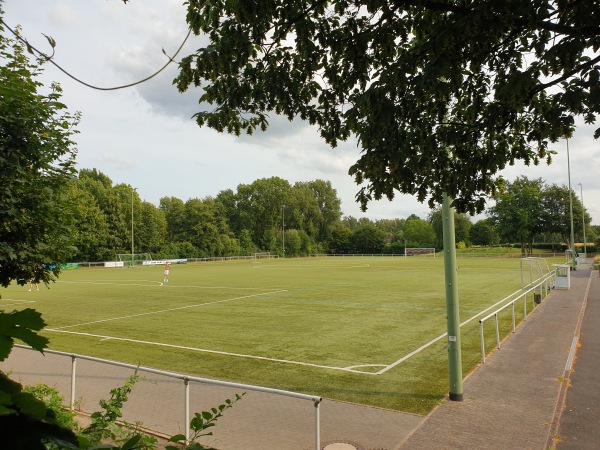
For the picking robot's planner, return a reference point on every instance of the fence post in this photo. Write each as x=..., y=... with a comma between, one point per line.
x=317, y=426
x=186, y=384
x=73, y=369
x=497, y=330
x=482, y=342
x=513, y=316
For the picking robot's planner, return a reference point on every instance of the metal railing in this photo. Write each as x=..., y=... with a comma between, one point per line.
x=543, y=284
x=186, y=379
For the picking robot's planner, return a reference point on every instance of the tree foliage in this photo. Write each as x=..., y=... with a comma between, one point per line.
x=557, y=218
x=36, y=164
x=518, y=213
x=441, y=95
x=483, y=232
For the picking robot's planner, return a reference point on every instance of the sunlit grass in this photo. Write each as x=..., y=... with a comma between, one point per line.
x=306, y=319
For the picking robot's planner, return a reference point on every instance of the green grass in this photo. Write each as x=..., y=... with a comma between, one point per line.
x=326, y=313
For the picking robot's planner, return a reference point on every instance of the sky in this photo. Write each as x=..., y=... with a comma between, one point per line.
x=145, y=136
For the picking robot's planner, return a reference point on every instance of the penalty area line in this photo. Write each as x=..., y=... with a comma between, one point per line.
x=168, y=310
x=203, y=350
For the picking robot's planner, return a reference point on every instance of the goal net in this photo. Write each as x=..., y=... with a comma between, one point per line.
x=263, y=255
x=135, y=259
x=419, y=251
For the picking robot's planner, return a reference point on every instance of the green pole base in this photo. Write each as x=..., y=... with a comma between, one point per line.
x=456, y=397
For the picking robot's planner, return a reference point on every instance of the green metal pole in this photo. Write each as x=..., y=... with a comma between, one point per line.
x=574, y=263
x=453, y=319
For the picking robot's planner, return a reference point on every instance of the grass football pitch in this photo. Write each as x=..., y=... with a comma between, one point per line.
x=343, y=328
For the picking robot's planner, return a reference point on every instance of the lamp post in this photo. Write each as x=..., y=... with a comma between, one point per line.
x=283, y=229
x=583, y=221
x=132, y=192
x=574, y=263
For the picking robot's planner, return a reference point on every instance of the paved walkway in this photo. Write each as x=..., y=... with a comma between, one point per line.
x=516, y=400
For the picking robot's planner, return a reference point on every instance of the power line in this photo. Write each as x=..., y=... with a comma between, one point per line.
x=49, y=59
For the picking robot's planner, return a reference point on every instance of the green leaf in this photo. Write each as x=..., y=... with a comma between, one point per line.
x=21, y=325
x=177, y=438
x=132, y=443
x=50, y=40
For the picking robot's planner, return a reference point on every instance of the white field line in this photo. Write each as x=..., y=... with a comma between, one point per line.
x=154, y=283
x=168, y=310
x=15, y=302
x=239, y=355
x=433, y=341
x=215, y=352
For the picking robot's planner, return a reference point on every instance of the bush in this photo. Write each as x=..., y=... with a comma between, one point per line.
x=54, y=401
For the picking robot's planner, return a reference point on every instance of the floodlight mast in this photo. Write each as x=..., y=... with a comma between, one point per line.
x=574, y=260
x=132, y=192
x=452, y=312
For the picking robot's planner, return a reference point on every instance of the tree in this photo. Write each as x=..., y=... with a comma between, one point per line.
x=557, y=212
x=341, y=237
x=151, y=229
x=518, y=212
x=37, y=158
x=115, y=204
x=207, y=228
x=367, y=239
x=173, y=209
x=418, y=233
x=483, y=233
x=440, y=95
x=90, y=232
x=260, y=206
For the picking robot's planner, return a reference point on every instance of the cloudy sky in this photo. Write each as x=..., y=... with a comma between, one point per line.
x=144, y=136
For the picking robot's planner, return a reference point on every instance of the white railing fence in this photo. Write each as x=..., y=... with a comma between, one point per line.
x=539, y=289
x=91, y=377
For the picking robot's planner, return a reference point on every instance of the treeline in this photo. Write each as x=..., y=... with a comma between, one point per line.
x=272, y=215
x=252, y=219
x=268, y=215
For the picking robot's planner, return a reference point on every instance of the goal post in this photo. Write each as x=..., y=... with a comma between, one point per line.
x=262, y=255
x=135, y=259
x=419, y=251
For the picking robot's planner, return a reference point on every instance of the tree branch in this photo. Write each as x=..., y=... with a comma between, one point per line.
x=566, y=76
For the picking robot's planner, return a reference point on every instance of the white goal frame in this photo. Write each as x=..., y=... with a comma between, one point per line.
x=135, y=259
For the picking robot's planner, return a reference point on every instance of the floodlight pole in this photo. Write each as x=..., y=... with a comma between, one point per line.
x=452, y=312
x=574, y=263
x=283, y=229
x=132, y=191
x=583, y=221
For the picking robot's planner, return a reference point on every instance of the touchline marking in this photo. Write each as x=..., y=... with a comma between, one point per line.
x=167, y=310
x=154, y=283
x=202, y=350
x=109, y=283
x=18, y=302
x=433, y=341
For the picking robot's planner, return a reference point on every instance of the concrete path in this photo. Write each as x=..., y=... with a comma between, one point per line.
x=513, y=401
x=580, y=421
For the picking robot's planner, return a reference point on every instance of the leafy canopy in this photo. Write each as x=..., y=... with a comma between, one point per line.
x=441, y=95
x=37, y=159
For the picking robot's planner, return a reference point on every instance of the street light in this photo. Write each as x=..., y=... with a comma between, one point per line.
x=583, y=221
x=574, y=263
x=132, y=191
